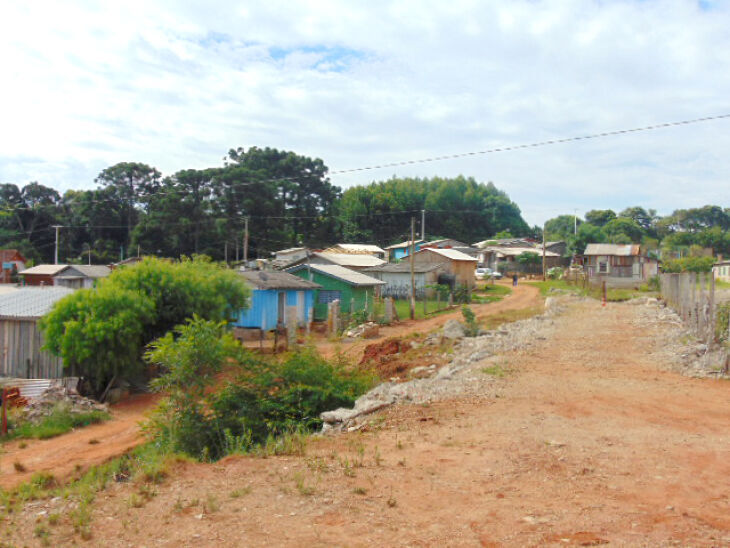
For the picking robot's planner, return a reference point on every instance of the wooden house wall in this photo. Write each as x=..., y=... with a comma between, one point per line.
x=20, y=352
x=264, y=310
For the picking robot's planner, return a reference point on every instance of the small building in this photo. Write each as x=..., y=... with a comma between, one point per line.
x=402, y=249
x=273, y=292
x=505, y=258
x=721, y=270
x=459, y=265
x=289, y=257
x=73, y=276
x=11, y=262
x=397, y=278
x=618, y=264
x=20, y=352
x=354, y=290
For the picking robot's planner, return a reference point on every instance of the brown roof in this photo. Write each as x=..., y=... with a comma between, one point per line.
x=8, y=255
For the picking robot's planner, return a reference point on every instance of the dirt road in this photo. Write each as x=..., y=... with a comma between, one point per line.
x=64, y=455
x=523, y=297
x=589, y=442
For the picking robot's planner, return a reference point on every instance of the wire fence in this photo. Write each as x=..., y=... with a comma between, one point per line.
x=692, y=296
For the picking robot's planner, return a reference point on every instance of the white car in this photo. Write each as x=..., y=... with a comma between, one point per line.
x=487, y=274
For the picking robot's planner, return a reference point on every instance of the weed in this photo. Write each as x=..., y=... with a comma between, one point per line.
x=178, y=506
x=93, y=441
x=135, y=501
x=237, y=493
x=53, y=518
x=495, y=371
x=360, y=491
x=317, y=464
x=398, y=443
x=211, y=504
x=392, y=503
x=302, y=487
x=377, y=457
x=22, y=445
x=347, y=468
x=19, y=467
x=42, y=533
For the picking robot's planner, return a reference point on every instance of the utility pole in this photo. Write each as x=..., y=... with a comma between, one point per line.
x=413, y=274
x=245, y=243
x=575, y=222
x=225, y=252
x=543, y=252
x=423, y=225
x=56, y=254
x=89, y=255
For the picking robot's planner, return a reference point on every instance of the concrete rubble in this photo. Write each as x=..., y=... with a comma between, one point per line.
x=464, y=375
x=43, y=405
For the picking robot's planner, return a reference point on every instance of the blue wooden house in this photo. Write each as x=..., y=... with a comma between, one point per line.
x=272, y=293
x=397, y=252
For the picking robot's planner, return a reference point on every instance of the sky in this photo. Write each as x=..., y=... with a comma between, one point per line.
x=177, y=84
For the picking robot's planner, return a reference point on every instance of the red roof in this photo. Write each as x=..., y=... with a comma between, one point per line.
x=9, y=255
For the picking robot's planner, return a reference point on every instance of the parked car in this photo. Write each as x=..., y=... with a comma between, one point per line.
x=487, y=274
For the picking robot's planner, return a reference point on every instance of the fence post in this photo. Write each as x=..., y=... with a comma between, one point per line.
x=713, y=315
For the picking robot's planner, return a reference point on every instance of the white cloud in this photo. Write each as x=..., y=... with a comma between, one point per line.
x=363, y=84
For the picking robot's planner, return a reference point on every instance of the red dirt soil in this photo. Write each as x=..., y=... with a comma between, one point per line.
x=589, y=442
x=65, y=455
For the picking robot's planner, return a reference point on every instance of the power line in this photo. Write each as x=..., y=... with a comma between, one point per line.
x=401, y=163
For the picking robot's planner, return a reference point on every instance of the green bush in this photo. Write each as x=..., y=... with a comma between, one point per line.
x=268, y=397
x=555, y=273
x=472, y=325
x=689, y=264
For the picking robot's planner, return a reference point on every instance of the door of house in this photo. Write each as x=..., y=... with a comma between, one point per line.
x=281, y=309
x=301, y=309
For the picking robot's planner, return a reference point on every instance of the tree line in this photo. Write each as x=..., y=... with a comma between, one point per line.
x=683, y=233
x=287, y=198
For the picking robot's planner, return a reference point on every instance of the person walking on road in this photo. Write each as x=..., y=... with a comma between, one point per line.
x=514, y=280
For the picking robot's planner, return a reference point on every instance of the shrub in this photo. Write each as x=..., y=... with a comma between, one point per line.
x=472, y=325
x=555, y=273
x=689, y=264
x=268, y=398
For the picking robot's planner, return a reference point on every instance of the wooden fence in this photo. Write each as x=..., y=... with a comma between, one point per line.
x=692, y=296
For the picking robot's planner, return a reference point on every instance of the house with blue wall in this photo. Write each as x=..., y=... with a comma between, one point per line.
x=398, y=251
x=272, y=293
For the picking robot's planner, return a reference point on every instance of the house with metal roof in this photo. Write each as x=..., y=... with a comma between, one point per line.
x=618, y=264
x=460, y=266
x=274, y=293
x=74, y=276
x=21, y=339
x=355, y=290
x=397, y=278
x=354, y=261
x=11, y=262
x=402, y=249
x=368, y=249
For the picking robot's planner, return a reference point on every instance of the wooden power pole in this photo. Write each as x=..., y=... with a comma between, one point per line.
x=543, y=253
x=413, y=273
x=245, y=242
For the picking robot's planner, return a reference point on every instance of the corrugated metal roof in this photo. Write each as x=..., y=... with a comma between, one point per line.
x=31, y=302
x=341, y=273
x=32, y=388
x=619, y=250
x=404, y=244
x=368, y=248
x=45, y=269
x=93, y=270
x=350, y=259
x=516, y=251
x=451, y=254
x=405, y=266
x=260, y=279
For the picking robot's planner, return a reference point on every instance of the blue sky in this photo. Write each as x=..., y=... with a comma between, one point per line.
x=360, y=84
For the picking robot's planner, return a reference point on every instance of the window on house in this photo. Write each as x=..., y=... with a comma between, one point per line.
x=328, y=296
x=603, y=267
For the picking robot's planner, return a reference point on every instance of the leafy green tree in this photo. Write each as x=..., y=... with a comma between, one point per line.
x=689, y=264
x=99, y=333
x=623, y=230
x=587, y=234
x=561, y=227
x=642, y=217
x=599, y=217
x=529, y=258
x=141, y=302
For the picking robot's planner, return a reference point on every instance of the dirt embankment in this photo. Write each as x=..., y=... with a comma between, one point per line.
x=68, y=454
x=584, y=440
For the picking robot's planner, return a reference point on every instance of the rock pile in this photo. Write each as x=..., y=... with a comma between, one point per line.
x=367, y=330
x=463, y=375
x=43, y=405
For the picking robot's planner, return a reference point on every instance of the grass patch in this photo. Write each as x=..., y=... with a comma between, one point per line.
x=558, y=285
x=59, y=421
x=495, y=371
x=509, y=316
